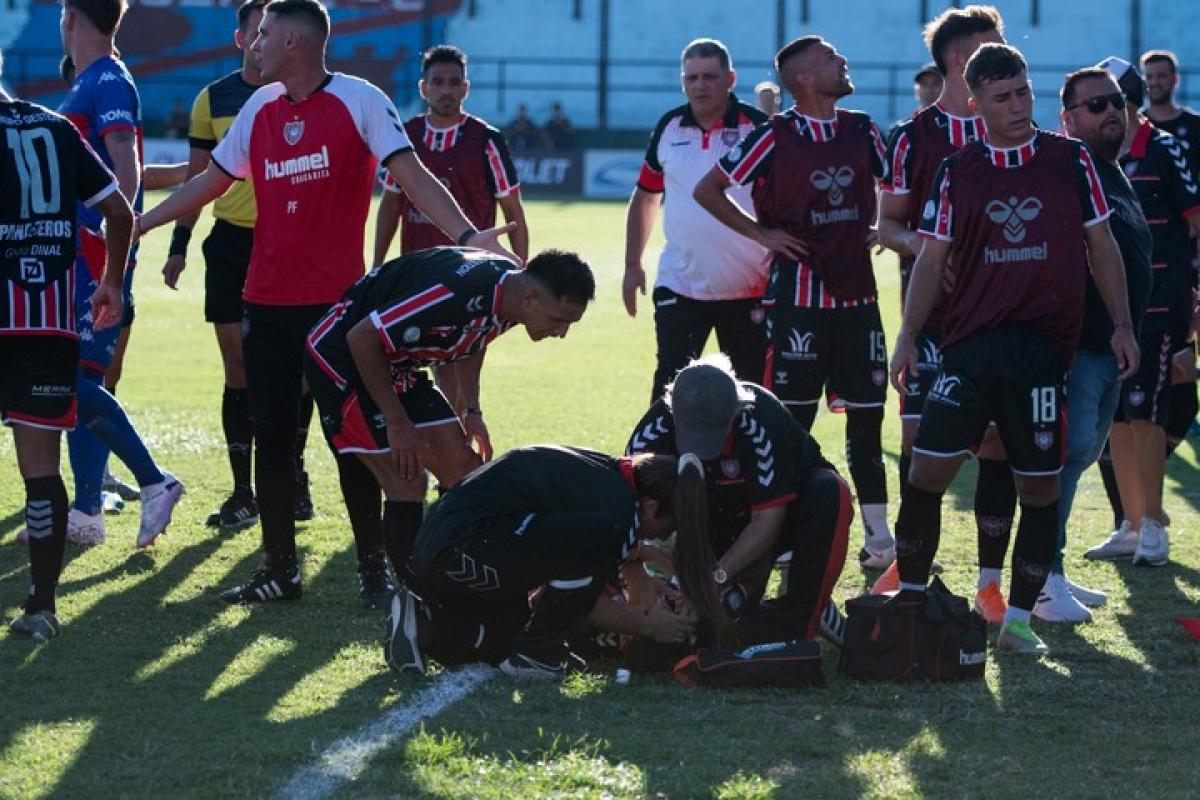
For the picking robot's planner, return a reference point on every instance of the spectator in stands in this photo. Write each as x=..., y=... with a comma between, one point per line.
x=522, y=134
x=177, y=121
x=767, y=97
x=559, y=133
x=927, y=86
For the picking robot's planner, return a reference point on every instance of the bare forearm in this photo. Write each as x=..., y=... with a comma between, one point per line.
x=122, y=147
x=198, y=161
x=710, y=194
x=924, y=288
x=118, y=225
x=639, y=222
x=755, y=540
x=191, y=197
x=387, y=221
x=374, y=370
x=466, y=373
x=514, y=211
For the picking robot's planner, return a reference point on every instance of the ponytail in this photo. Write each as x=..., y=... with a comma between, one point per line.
x=694, y=555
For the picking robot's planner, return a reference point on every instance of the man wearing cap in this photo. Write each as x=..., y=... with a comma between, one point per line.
x=1170, y=198
x=769, y=492
x=927, y=86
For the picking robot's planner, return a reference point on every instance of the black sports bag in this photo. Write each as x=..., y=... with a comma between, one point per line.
x=783, y=665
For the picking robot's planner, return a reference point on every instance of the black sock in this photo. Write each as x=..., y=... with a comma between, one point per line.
x=364, y=506
x=1109, y=476
x=304, y=417
x=1183, y=408
x=46, y=520
x=995, y=504
x=905, y=465
x=239, y=435
x=1037, y=539
x=401, y=521
x=806, y=415
x=864, y=454
x=275, y=481
x=918, y=531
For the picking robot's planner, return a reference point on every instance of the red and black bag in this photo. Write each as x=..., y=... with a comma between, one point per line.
x=783, y=665
x=938, y=638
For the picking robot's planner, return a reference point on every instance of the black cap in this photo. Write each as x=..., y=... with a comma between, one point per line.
x=927, y=69
x=1127, y=77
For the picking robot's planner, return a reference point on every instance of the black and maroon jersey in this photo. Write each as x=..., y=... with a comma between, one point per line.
x=1186, y=129
x=430, y=307
x=766, y=453
x=917, y=149
x=816, y=180
x=472, y=160
x=312, y=162
x=1016, y=218
x=45, y=169
x=1157, y=166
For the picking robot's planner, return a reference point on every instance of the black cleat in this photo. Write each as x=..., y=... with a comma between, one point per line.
x=238, y=511
x=375, y=587
x=265, y=586
x=304, y=504
x=407, y=620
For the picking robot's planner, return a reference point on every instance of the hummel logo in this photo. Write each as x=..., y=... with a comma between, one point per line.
x=832, y=180
x=1013, y=216
x=800, y=342
x=943, y=387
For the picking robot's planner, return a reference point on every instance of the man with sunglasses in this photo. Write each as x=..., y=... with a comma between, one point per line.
x=1094, y=112
x=1170, y=198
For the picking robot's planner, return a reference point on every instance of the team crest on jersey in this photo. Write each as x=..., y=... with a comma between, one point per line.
x=730, y=468
x=878, y=377
x=292, y=131
x=729, y=137
x=412, y=334
x=929, y=211
x=758, y=316
x=1043, y=439
x=735, y=154
x=1137, y=398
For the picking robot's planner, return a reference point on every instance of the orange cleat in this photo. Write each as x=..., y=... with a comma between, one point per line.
x=889, y=581
x=990, y=603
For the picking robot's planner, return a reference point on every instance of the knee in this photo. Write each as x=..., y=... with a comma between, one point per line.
x=930, y=474
x=455, y=465
x=991, y=447
x=1039, y=491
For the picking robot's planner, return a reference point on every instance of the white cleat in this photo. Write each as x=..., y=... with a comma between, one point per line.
x=1153, y=547
x=1092, y=598
x=112, y=502
x=158, y=501
x=85, y=530
x=1057, y=604
x=1119, y=545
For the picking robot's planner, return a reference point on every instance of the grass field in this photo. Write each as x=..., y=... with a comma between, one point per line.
x=155, y=689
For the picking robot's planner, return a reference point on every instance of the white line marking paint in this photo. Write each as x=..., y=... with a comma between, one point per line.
x=346, y=758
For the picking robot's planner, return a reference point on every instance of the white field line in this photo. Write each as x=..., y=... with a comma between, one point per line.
x=346, y=758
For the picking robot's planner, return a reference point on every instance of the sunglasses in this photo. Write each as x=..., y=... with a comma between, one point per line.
x=1097, y=104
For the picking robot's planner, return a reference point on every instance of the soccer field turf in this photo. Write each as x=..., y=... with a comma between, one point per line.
x=156, y=689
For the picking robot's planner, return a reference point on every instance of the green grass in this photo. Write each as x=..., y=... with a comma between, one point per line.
x=156, y=690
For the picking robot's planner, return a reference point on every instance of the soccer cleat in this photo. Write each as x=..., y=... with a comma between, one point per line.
x=120, y=488
x=238, y=511
x=1120, y=544
x=1092, y=598
x=877, y=558
x=1057, y=604
x=304, y=504
x=112, y=502
x=85, y=530
x=990, y=603
x=374, y=585
x=40, y=626
x=833, y=624
x=525, y=667
x=406, y=626
x=265, y=585
x=1153, y=547
x=158, y=501
x=1017, y=637
x=889, y=581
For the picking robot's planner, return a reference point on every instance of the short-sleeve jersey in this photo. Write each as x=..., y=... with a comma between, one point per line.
x=45, y=169
x=472, y=160
x=915, y=151
x=312, y=163
x=430, y=307
x=543, y=479
x=1186, y=129
x=766, y=453
x=1157, y=166
x=702, y=259
x=1015, y=217
x=815, y=179
x=213, y=113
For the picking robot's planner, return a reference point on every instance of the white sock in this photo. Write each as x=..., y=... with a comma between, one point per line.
x=1015, y=613
x=875, y=524
x=905, y=586
x=987, y=575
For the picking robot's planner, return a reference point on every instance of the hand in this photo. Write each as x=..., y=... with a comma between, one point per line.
x=490, y=240
x=643, y=590
x=784, y=243
x=665, y=625
x=106, y=306
x=904, y=362
x=405, y=444
x=173, y=269
x=136, y=233
x=653, y=554
x=635, y=281
x=477, y=435
x=1125, y=348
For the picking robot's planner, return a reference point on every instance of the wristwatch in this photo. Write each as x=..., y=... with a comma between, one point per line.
x=720, y=576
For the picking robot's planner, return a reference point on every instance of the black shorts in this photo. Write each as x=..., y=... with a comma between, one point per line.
x=838, y=350
x=929, y=363
x=1011, y=376
x=354, y=424
x=226, y=259
x=1146, y=395
x=37, y=381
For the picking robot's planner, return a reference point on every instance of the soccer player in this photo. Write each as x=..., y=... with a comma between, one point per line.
x=708, y=275
x=1094, y=112
x=915, y=151
x=1000, y=211
x=45, y=169
x=813, y=170
x=366, y=358
x=768, y=492
x=466, y=154
x=563, y=521
x=310, y=139
x=1170, y=200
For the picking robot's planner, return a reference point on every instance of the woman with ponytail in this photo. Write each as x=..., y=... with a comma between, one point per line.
x=752, y=485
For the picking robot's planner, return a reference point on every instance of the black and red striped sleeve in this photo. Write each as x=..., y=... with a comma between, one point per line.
x=650, y=178
x=879, y=153
x=1091, y=192
x=899, y=161
x=400, y=324
x=501, y=171
x=937, y=216
x=751, y=158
